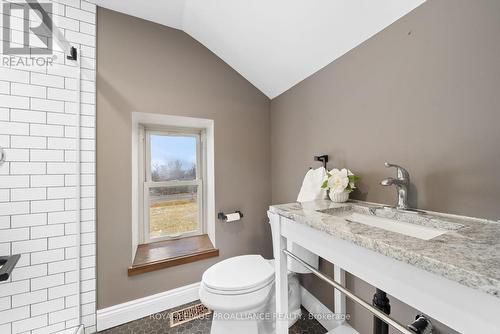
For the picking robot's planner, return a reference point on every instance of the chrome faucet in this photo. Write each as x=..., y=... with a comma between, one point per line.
x=402, y=182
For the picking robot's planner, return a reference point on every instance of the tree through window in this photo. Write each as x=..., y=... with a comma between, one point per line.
x=172, y=184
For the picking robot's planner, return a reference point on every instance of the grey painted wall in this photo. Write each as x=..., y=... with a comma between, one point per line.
x=146, y=67
x=423, y=93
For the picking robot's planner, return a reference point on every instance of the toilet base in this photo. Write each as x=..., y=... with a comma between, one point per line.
x=222, y=323
x=231, y=326
x=262, y=320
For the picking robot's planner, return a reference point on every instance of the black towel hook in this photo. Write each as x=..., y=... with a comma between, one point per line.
x=323, y=158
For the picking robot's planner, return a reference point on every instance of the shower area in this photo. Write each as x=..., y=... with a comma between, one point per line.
x=47, y=168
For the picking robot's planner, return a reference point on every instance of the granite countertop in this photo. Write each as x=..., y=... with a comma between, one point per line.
x=468, y=253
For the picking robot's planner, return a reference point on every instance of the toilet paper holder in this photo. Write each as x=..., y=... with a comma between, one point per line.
x=230, y=217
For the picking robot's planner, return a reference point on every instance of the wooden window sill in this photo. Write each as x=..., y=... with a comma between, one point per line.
x=170, y=253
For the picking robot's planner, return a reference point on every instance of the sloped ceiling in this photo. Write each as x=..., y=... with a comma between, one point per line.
x=274, y=44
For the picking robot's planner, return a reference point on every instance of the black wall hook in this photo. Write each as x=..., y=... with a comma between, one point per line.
x=323, y=158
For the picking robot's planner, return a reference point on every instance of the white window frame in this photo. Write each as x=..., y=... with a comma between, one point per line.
x=171, y=121
x=147, y=183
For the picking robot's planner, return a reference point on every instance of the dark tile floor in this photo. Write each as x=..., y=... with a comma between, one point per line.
x=160, y=324
x=307, y=325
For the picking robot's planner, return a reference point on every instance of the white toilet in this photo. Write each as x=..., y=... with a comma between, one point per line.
x=240, y=291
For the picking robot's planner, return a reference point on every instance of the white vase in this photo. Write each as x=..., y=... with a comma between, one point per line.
x=339, y=197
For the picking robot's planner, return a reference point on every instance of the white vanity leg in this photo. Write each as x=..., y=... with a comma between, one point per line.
x=339, y=298
x=281, y=281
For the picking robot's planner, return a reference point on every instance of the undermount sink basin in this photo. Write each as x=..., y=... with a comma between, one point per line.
x=415, y=224
x=411, y=230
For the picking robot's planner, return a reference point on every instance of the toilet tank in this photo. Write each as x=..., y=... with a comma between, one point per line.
x=307, y=256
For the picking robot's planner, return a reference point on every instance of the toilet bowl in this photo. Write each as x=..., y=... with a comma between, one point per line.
x=240, y=291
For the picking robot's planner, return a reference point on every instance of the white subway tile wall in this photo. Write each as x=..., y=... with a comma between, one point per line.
x=47, y=184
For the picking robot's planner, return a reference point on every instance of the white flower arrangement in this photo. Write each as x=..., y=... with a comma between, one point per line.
x=339, y=181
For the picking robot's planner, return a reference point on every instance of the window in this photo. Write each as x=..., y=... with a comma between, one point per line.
x=172, y=174
x=173, y=191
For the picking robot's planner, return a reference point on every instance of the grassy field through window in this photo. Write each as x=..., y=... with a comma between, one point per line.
x=172, y=217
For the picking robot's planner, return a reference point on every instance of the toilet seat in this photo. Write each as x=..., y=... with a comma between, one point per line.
x=239, y=275
x=243, y=302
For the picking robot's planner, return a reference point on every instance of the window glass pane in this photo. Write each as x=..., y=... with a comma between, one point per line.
x=172, y=157
x=173, y=210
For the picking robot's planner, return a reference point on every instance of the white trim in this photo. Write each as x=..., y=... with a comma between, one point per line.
x=147, y=182
x=339, y=298
x=315, y=307
x=78, y=195
x=122, y=313
x=151, y=120
x=137, y=169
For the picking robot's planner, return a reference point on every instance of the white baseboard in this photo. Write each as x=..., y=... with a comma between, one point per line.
x=314, y=306
x=139, y=308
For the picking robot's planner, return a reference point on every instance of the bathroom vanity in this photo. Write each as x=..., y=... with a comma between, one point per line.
x=445, y=266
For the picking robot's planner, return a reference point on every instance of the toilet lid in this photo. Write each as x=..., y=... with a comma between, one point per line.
x=239, y=273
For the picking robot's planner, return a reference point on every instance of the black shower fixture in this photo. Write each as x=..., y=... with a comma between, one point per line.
x=72, y=54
